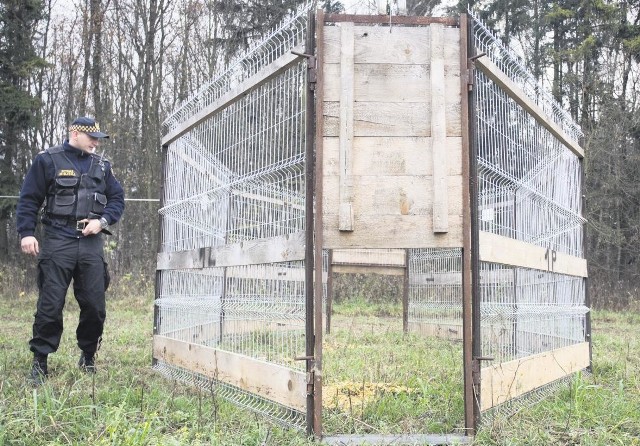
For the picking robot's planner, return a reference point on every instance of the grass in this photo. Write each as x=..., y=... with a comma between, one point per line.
x=127, y=403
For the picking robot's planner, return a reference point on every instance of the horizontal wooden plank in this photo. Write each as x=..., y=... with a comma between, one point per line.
x=369, y=269
x=374, y=44
x=386, y=20
x=380, y=82
x=238, y=92
x=271, y=381
x=380, y=119
x=451, y=331
x=193, y=259
x=267, y=250
x=388, y=156
x=393, y=195
x=251, y=252
x=507, y=251
x=391, y=231
x=369, y=256
x=515, y=92
x=389, y=119
x=502, y=382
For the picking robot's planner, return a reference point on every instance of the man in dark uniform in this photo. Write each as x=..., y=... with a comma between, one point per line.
x=81, y=198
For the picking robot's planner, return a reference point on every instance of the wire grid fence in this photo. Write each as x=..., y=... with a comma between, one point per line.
x=290, y=33
x=525, y=312
x=239, y=176
x=435, y=291
x=510, y=64
x=529, y=189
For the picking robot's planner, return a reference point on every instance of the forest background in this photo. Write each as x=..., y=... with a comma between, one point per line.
x=130, y=62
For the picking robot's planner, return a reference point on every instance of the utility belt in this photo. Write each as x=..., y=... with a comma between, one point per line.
x=76, y=224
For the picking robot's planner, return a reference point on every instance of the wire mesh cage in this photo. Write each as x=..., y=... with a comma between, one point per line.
x=234, y=315
x=234, y=178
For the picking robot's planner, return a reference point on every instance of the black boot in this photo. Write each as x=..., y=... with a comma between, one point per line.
x=39, y=372
x=87, y=362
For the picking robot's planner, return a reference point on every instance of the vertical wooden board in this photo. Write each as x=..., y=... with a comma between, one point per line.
x=346, y=127
x=381, y=119
x=453, y=100
x=375, y=44
x=439, y=130
x=392, y=156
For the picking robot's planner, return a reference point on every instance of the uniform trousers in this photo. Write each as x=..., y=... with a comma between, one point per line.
x=61, y=259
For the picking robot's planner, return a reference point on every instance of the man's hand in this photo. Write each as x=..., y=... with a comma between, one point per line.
x=30, y=245
x=93, y=227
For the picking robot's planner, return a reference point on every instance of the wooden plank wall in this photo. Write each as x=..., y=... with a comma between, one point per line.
x=392, y=175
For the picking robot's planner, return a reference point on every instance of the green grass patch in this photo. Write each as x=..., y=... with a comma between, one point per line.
x=127, y=403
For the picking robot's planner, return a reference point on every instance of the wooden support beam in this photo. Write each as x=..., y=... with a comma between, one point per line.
x=345, y=210
x=271, y=381
x=502, y=382
x=439, y=131
x=283, y=248
x=507, y=251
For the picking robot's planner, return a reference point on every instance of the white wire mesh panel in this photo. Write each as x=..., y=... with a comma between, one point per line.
x=278, y=413
x=189, y=306
x=524, y=312
x=529, y=184
x=435, y=292
x=238, y=176
x=529, y=189
x=289, y=34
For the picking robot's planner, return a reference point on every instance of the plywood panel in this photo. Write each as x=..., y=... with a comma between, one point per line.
x=271, y=381
x=502, y=382
x=392, y=152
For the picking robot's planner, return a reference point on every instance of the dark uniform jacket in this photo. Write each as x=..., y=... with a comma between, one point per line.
x=73, y=185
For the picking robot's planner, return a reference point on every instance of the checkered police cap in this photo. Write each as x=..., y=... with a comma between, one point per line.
x=87, y=125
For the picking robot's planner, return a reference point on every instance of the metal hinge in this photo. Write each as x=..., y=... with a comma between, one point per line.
x=312, y=73
x=310, y=380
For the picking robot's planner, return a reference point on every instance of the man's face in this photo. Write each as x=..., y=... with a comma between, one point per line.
x=84, y=142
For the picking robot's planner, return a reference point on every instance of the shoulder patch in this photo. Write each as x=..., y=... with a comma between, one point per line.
x=67, y=173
